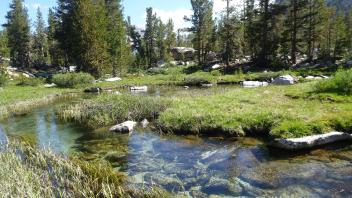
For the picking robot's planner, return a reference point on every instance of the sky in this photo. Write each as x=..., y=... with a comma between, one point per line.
x=165, y=9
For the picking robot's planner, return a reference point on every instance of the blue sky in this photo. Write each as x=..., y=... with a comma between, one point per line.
x=175, y=9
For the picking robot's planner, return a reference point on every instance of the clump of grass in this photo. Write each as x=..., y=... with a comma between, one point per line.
x=29, y=172
x=297, y=128
x=108, y=109
x=341, y=83
x=24, y=81
x=72, y=80
x=195, y=81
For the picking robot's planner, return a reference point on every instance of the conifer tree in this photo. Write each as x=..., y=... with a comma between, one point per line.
x=40, y=43
x=118, y=47
x=4, y=50
x=170, y=40
x=90, y=48
x=202, y=27
x=18, y=33
x=150, y=38
x=56, y=54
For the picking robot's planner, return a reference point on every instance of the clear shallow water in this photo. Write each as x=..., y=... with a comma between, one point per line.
x=197, y=167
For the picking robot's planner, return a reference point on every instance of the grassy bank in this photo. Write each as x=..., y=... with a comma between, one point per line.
x=21, y=99
x=28, y=172
x=280, y=111
x=277, y=111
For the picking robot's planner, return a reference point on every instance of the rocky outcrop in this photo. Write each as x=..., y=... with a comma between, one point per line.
x=126, y=127
x=310, y=141
x=183, y=53
x=284, y=80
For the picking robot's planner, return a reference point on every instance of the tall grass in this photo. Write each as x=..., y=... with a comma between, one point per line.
x=108, y=109
x=28, y=172
x=341, y=83
x=72, y=80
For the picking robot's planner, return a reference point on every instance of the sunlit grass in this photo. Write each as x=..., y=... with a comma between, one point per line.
x=28, y=172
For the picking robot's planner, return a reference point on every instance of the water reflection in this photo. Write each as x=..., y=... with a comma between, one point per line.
x=42, y=128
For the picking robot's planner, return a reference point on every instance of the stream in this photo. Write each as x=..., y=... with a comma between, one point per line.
x=194, y=166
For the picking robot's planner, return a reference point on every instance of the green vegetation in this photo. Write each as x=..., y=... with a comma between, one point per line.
x=341, y=83
x=107, y=109
x=72, y=80
x=24, y=81
x=20, y=99
x=29, y=172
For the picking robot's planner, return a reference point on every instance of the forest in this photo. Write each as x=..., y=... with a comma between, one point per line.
x=96, y=37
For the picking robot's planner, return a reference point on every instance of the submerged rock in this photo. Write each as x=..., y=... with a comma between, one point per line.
x=310, y=141
x=284, y=80
x=222, y=186
x=125, y=127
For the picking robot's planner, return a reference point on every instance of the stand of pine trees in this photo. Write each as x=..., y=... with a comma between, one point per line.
x=94, y=36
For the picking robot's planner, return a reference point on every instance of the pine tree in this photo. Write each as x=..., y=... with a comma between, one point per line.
x=230, y=34
x=40, y=43
x=64, y=30
x=160, y=39
x=56, y=54
x=170, y=40
x=150, y=38
x=313, y=28
x=137, y=47
x=4, y=50
x=119, y=50
x=349, y=32
x=202, y=20
x=90, y=49
x=18, y=32
x=340, y=38
x=249, y=28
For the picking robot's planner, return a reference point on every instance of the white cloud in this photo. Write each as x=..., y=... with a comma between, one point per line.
x=220, y=6
x=38, y=5
x=176, y=15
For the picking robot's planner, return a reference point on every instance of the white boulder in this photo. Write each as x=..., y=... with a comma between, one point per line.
x=126, y=127
x=50, y=85
x=310, y=141
x=284, y=80
x=113, y=79
x=145, y=123
x=254, y=84
x=216, y=66
x=140, y=88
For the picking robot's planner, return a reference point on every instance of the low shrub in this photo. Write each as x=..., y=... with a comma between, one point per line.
x=72, y=80
x=25, y=81
x=156, y=71
x=341, y=83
